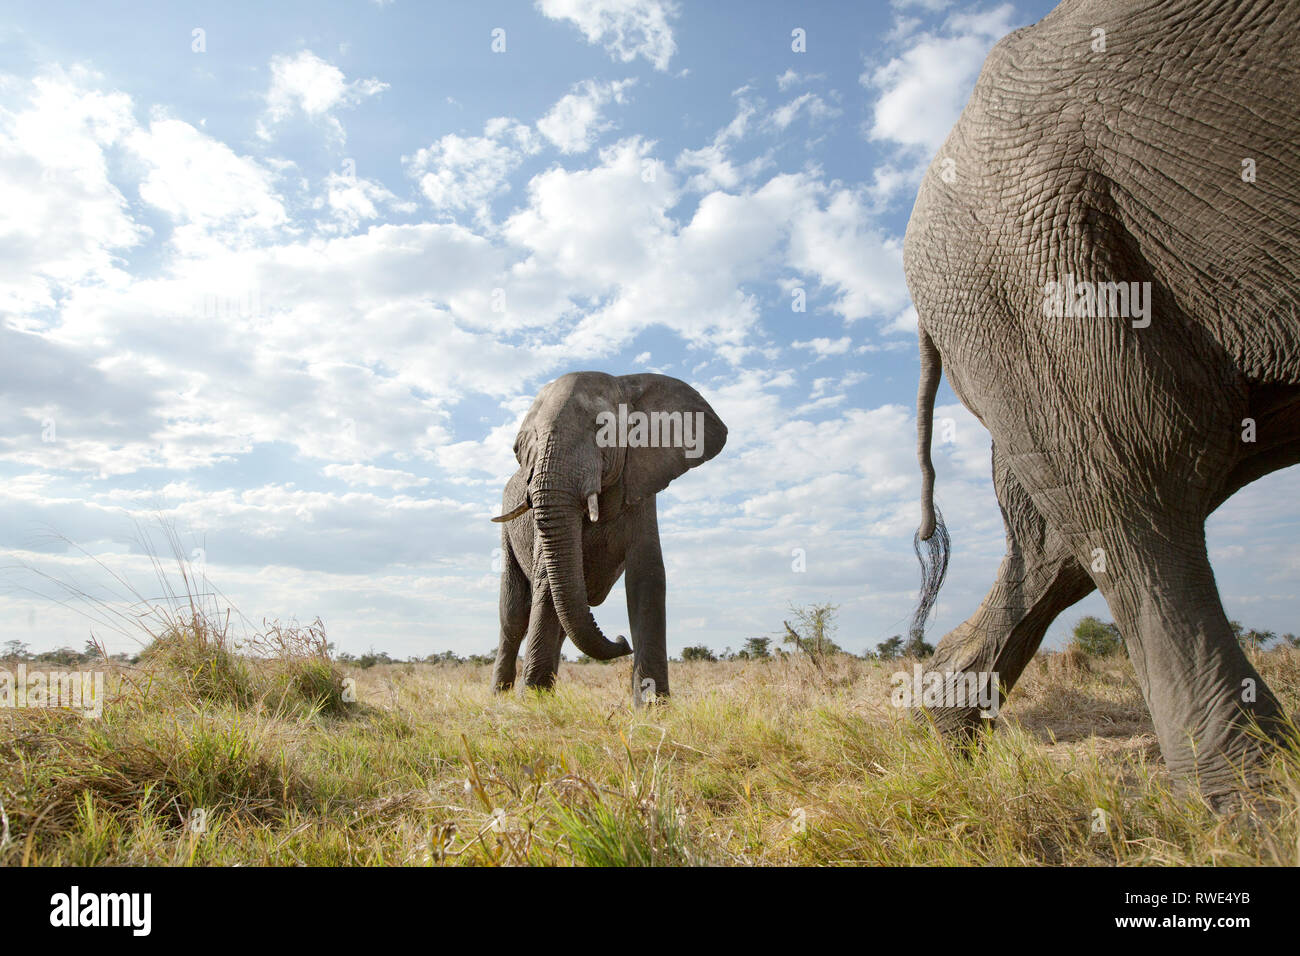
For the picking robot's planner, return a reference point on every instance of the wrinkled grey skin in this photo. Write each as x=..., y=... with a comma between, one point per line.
x=1122, y=166
x=557, y=562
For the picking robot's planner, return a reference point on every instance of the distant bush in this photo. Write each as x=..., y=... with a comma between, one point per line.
x=890, y=650
x=698, y=653
x=812, y=630
x=1096, y=638
x=918, y=646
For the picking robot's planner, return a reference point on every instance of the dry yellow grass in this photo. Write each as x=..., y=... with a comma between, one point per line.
x=752, y=763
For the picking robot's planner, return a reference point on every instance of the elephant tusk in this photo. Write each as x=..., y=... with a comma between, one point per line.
x=512, y=515
x=593, y=508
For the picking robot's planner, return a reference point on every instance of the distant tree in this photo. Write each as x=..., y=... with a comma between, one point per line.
x=1257, y=639
x=756, y=648
x=1291, y=640
x=918, y=646
x=1249, y=637
x=62, y=655
x=373, y=657
x=15, y=650
x=1096, y=638
x=891, y=649
x=811, y=633
x=698, y=653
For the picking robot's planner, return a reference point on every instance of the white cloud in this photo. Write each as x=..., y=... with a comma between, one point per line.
x=208, y=190
x=465, y=173
x=370, y=476
x=305, y=82
x=905, y=322
x=840, y=245
x=353, y=200
x=924, y=88
x=791, y=78
x=823, y=347
x=62, y=220
x=716, y=168
x=625, y=28
x=574, y=122
x=810, y=103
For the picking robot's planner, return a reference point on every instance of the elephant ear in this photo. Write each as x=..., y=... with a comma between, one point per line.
x=649, y=471
x=526, y=438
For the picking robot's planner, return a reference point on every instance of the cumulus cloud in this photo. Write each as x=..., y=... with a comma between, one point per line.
x=809, y=104
x=352, y=200
x=574, y=122
x=625, y=28
x=841, y=246
x=303, y=82
x=923, y=89
x=460, y=174
x=822, y=347
x=210, y=192
x=65, y=221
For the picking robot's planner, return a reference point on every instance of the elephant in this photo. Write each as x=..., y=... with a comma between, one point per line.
x=594, y=450
x=1103, y=259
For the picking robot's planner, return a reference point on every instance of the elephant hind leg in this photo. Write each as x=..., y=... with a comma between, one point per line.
x=1038, y=579
x=513, y=607
x=1203, y=693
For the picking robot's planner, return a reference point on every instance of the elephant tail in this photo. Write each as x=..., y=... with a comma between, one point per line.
x=931, y=542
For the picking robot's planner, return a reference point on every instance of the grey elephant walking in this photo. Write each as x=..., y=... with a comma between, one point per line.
x=594, y=451
x=1104, y=260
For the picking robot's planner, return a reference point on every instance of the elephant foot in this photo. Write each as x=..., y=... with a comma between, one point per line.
x=656, y=700
x=647, y=690
x=957, y=724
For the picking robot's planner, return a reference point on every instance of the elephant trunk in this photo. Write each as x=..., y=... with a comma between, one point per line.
x=559, y=526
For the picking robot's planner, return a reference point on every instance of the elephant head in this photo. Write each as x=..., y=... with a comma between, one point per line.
x=592, y=445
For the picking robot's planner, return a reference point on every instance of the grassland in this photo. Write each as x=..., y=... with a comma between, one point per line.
x=769, y=762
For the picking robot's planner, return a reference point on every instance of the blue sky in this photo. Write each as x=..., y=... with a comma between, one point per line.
x=290, y=282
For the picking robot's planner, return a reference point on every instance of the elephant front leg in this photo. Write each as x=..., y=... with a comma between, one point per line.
x=646, y=589
x=1038, y=579
x=545, y=636
x=990, y=650
x=513, y=607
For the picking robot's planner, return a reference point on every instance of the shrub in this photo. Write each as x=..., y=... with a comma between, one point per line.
x=1096, y=638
